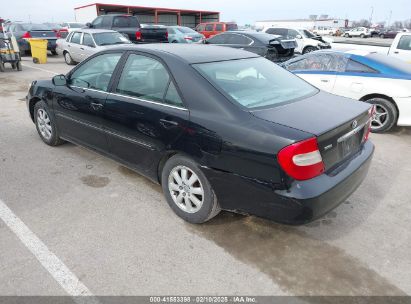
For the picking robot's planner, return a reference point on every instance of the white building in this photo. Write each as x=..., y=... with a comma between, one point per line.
x=308, y=24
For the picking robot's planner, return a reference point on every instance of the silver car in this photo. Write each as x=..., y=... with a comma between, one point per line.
x=82, y=43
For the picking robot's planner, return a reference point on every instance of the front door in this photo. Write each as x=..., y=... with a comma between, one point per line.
x=144, y=115
x=79, y=105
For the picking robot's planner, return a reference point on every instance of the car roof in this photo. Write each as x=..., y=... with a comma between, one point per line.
x=192, y=53
x=93, y=31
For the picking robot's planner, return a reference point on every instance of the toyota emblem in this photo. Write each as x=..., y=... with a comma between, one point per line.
x=354, y=124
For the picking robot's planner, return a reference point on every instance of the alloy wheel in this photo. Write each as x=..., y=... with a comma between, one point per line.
x=380, y=117
x=186, y=189
x=44, y=124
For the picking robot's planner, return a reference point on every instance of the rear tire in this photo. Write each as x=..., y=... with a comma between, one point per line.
x=386, y=115
x=362, y=36
x=54, y=52
x=68, y=59
x=382, y=36
x=19, y=66
x=189, y=194
x=46, y=125
x=2, y=68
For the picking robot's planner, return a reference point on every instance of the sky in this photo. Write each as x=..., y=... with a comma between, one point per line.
x=241, y=11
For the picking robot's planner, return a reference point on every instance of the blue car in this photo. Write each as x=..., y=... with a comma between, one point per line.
x=182, y=34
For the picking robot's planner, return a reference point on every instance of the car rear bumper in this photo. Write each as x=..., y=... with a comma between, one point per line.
x=304, y=202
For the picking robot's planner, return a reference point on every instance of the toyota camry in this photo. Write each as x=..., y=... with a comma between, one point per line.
x=218, y=128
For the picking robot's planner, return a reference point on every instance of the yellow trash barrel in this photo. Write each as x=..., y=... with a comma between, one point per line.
x=38, y=50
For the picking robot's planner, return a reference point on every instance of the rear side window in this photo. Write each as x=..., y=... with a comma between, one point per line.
x=76, y=38
x=318, y=62
x=148, y=79
x=356, y=67
x=405, y=43
x=238, y=39
x=209, y=27
x=125, y=21
x=218, y=39
x=219, y=27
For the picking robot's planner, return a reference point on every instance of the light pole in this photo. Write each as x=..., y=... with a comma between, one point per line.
x=372, y=13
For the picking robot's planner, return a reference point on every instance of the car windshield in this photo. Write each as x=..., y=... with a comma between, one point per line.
x=76, y=25
x=110, y=38
x=35, y=27
x=391, y=62
x=308, y=34
x=255, y=82
x=186, y=30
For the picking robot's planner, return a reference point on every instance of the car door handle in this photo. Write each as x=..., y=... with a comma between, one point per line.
x=325, y=80
x=82, y=49
x=168, y=123
x=396, y=52
x=96, y=106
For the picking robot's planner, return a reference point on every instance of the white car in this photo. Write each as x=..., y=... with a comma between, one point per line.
x=307, y=42
x=361, y=32
x=370, y=77
x=70, y=26
x=401, y=47
x=325, y=30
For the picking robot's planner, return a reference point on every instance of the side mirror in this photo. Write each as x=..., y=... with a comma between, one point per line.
x=299, y=37
x=89, y=25
x=59, y=80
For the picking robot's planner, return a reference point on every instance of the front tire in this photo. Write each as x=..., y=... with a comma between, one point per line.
x=54, y=52
x=188, y=191
x=309, y=49
x=46, y=125
x=385, y=117
x=362, y=36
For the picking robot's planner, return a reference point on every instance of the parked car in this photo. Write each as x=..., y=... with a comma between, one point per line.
x=389, y=33
x=361, y=32
x=370, y=77
x=401, y=47
x=210, y=29
x=67, y=27
x=182, y=34
x=82, y=43
x=272, y=47
x=24, y=31
x=218, y=128
x=306, y=41
x=130, y=27
x=375, y=33
x=325, y=30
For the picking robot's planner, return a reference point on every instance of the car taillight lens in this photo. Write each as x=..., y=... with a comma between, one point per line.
x=371, y=113
x=302, y=160
x=26, y=35
x=138, y=35
x=58, y=34
x=166, y=35
x=188, y=38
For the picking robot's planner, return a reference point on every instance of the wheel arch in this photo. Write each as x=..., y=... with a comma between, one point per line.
x=32, y=104
x=376, y=95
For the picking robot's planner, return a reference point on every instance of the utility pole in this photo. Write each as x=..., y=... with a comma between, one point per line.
x=372, y=13
x=389, y=19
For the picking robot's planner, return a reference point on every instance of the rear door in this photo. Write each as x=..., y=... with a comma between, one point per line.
x=144, y=114
x=318, y=69
x=87, y=47
x=79, y=105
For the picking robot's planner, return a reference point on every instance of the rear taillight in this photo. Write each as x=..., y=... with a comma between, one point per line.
x=166, y=35
x=302, y=160
x=58, y=35
x=371, y=113
x=26, y=35
x=138, y=35
x=188, y=38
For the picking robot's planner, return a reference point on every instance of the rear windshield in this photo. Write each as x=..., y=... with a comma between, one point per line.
x=125, y=21
x=35, y=27
x=231, y=27
x=186, y=30
x=110, y=38
x=255, y=82
x=264, y=37
x=308, y=34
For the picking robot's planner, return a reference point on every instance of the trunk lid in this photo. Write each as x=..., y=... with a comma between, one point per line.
x=154, y=34
x=338, y=123
x=44, y=34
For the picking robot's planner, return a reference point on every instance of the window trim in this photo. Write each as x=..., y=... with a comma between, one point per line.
x=241, y=35
x=372, y=71
x=123, y=61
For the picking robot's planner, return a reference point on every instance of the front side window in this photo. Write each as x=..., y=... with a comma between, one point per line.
x=88, y=40
x=147, y=78
x=125, y=21
x=405, y=43
x=98, y=22
x=95, y=73
x=209, y=27
x=255, y=82
x=317, y=62
x=219, y=27
x=76, y=38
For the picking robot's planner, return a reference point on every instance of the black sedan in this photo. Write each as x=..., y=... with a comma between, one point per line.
x=273, y=47
x=218, y=128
